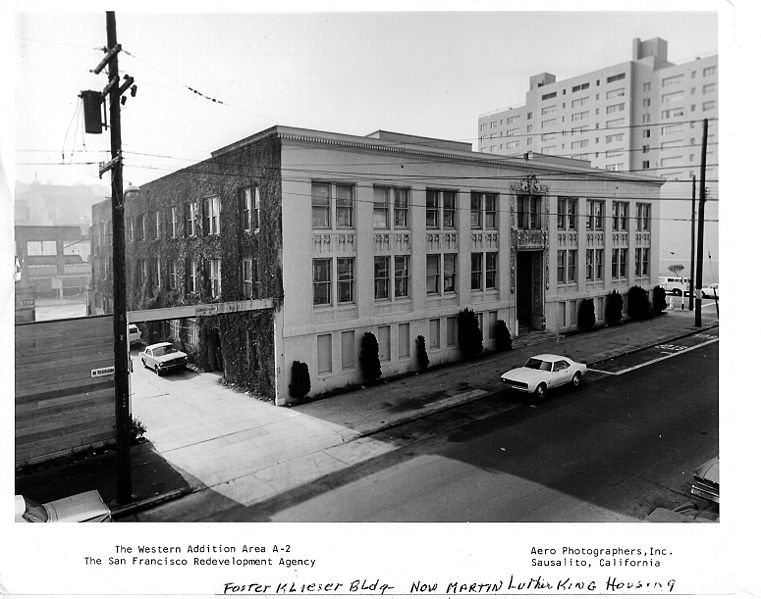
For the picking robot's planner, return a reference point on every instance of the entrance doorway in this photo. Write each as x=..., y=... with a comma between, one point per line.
x=529, y=294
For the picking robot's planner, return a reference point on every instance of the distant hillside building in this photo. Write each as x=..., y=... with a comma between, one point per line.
x=644, y=115
x=46, y=204
x=391, y=234
x=53, y=261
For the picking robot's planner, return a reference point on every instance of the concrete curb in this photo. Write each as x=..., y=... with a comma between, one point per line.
x=144, y=504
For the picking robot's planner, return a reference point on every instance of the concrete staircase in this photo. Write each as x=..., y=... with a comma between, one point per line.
x=527, y=336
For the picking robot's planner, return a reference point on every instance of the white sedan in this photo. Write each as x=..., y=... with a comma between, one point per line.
x=544, y=372
x=163, y=357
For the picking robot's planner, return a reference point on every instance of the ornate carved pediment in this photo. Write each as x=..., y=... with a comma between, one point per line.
x=529, y=184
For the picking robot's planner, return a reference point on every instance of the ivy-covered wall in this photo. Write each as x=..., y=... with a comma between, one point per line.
x=240, y=344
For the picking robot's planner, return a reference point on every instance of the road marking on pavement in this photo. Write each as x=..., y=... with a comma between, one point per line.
x=648, y=363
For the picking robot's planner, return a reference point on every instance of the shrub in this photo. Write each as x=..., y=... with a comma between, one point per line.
x=136, y=430
x=369, y=361
x=300, y=383
x=587, y=318
x=639, y=303
x=614, y=308
x=422, y=354
x=502, y=338
x=469, y=334
x=659, y=299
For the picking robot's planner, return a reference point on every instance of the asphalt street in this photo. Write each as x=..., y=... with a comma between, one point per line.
x=614, y=450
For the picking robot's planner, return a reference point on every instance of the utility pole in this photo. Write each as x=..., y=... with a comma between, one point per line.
x=701, y=226
x=93, y=102
x=692, y=248
x=121, y=357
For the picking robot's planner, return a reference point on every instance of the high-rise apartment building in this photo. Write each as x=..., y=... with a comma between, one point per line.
x=644, y=115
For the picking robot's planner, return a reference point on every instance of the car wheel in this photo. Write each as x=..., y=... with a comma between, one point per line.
x=158, y=372
x=576, y=380
x=540, y=391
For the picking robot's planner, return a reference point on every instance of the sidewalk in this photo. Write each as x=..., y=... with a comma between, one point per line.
x=283, y=449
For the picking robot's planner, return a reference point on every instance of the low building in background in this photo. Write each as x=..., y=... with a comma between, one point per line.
x=390, y=234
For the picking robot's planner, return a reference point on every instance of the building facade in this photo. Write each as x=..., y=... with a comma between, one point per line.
x=53, y=261
x=390, y=234
x=644, y=115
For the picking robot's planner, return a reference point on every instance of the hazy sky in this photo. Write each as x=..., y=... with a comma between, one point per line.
x=429, y=73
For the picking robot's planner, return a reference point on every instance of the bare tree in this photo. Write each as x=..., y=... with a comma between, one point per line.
x=676, y=269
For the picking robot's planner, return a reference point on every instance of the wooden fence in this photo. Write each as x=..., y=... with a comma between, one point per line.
x=64, y=387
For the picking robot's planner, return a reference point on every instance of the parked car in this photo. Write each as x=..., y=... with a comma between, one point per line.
x=544, y=372
x=711, y=292
x=163, y=357
x=133, y=334
x=706, y=480
x=83, y=507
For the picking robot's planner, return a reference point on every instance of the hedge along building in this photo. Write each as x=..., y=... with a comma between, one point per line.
x=390, y=234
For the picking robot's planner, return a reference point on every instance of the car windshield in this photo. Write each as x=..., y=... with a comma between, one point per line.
x=162, y=351
x=536, y=364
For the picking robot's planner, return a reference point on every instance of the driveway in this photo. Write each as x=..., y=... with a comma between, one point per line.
x=216, y=437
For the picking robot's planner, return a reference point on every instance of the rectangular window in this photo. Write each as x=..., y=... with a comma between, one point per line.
x=620, y=216
x=672, y=113
x=646, y=86
x=567, y=213
x=617, y=77
x=215, y=276
x=321, y=281
x=157, y=230
x=581, y=86
x=616, y=137
x=670, y=81
x=381, y=276
x=641, y=262
x=529, y=212
x=173, y=275
x=571, y=264
x=490, y=211
x=615, y=93
x=547, y=123
x=578, y=116
x=344, y=207
x=321, y=205
x=709, y=71
x=347, y=350
x=614, y=108
x=549, y=109
x=249, y=208
x=190, y=219
x=476, y=210
x=141, y=227
x=401, y=207
x=451, y=331
x=432, y=273
x=450, y=273
x=248, y=278
x=433, y=333
x=384, y=343
x=381, y=207
x=192, y=275
x=174, y=222
x=710, y=105
x=643, y=217
x=476, y=271
x=431, y=209
x=599, y=264
x=401, y=276
x=324, y=353
x=672, y=97
x=709, y=88
x=490, y=279
x=345, y=280
x=577, y=145
x=449, y=210
x=156, y=272
x=492, y=324
x=549, y=95
x=595, y=215
x=404, y=340
x=561, y=266
x=579, y=102
x=211, y=214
